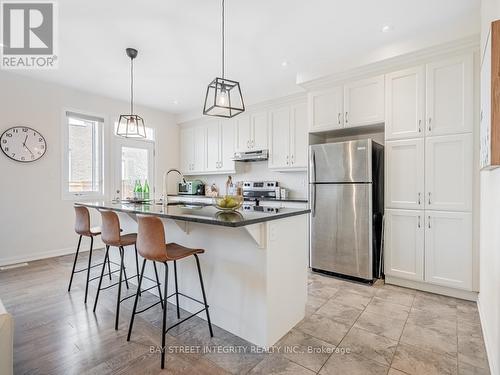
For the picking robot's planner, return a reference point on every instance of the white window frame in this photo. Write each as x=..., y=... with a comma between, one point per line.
x=74, y=196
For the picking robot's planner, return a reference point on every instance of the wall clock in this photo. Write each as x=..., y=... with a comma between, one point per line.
x=23, y=144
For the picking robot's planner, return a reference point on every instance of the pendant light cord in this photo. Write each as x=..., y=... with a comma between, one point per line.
x=223, y=39
x=131, y=86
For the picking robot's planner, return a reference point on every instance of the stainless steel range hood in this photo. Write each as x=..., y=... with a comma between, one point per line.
x=258, y=155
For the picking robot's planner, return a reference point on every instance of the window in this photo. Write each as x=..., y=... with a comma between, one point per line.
x=83, y=161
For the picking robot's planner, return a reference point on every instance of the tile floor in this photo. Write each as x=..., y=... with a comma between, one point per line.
x=349, y=329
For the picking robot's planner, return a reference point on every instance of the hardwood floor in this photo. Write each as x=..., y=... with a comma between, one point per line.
x=376, y=330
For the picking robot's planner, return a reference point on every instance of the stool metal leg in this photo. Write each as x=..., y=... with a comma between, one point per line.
x=109, y=268
x=137, y=265
x=136, y=299
x=204, y=295
x=117, y=318
x=74, y=263
x=164, y=325
x=106, y=257
x=88, y=267
x=125, y=270
x=158, y=283
x=176, y=290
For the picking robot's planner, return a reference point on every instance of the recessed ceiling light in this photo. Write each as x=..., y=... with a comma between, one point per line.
x=176, y=102
x=386, y=28
x=284, y=63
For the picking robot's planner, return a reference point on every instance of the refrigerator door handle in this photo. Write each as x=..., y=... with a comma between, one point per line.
x=313, y=200
x=312, y=168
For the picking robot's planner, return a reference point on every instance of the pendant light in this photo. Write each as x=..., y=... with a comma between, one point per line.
x=131, y=126
x=223, y=97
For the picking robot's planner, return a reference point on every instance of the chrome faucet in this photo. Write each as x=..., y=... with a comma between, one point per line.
x=165, y=184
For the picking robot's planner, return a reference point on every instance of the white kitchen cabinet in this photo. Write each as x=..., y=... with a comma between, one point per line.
x=200, y=150
x=449, y=96
x=213, y=151
x=326, y=109
x=259, y=131
x=404, y=244
x=448, y=172
x=187, y=150
x=243, y=133
x=404, y=185
x=405, y=103
x=299, y=140
x=364, y=102
x=448, y=249
x=280, y=135
x=227, y=146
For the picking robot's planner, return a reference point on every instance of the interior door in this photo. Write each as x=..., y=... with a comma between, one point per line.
x=279, y=137
x=404, y=181
x=299, y=139
x=448, y=179
x=134, y=160
x=326, y=109
x=341, y=226
x=448, y=249
x=259, y=131
x=450, y=96
x=404, y=244
x=404, y=103
x=213, y=150
x=227, y=145
x=364, y=102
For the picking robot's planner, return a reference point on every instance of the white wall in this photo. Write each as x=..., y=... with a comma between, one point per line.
x=34, y=220
x=489, y=296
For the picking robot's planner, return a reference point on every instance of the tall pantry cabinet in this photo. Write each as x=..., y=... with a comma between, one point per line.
x=429, y=173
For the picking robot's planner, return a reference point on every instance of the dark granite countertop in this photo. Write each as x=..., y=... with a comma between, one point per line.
x=205, y=214
x=296, y=200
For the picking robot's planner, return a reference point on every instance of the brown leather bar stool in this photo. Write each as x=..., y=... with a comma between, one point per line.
x=111, y=236
x=83, y=228
x=152, y=246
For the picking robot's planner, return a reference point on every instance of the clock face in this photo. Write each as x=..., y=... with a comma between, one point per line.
x=23, y=144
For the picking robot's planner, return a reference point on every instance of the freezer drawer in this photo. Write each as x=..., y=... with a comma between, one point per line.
x=341, y=229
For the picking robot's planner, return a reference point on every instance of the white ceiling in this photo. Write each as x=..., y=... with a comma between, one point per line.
x=179, y=43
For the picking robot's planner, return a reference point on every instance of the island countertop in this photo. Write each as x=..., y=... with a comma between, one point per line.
x=205, y=214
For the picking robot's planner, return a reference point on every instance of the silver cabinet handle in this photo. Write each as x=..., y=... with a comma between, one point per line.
x=338, y=118
x=429, y=221
x=420, y=126
x=419, y=194
x=429, y=197
x=430, y=121
x=287, y=160
x=418, y=223
x=293, y=161
x=248, y=144
x=346, y=117
x=253, y=143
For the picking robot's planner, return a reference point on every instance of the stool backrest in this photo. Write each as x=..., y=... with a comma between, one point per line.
x=151, y=237
x=110, y=232
x=82, y=220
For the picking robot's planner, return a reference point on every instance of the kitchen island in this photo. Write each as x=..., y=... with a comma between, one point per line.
x=254, y=267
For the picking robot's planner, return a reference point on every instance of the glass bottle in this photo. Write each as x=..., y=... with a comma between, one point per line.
x=145, y=190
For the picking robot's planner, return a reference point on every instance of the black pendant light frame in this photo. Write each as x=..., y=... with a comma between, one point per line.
x=131, y=125
x=223, y=97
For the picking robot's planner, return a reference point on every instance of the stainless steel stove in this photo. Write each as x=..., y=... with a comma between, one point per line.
x=252, y=206
x=253, y=190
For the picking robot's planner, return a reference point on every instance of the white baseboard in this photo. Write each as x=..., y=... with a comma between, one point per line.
x=492, y=354
x=47, y=254
x=426, y=287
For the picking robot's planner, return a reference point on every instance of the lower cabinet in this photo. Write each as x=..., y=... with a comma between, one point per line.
x=404, y=244
x=448, y=249
x=429, y=246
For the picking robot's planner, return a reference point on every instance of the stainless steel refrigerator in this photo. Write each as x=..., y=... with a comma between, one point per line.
x=346, y=187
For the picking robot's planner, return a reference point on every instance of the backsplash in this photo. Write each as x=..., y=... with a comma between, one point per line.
x=295, y=182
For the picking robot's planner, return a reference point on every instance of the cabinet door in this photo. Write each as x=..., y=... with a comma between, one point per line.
x=448, y=168
x=226, y=146
x=404, y=174
x=448, y=249
x=259, y=139
x=450, y=96
x=404, y=244
x=213, y=150
x=404, y=103
x=326, y=109
x=187, y=149
x=364, y=102
x=200, y=149
x=243, y=133
x=279, y=138
x=299, y=139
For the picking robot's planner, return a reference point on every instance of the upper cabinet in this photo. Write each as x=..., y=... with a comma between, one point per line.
x=187, y=149
x=364, y=102
x=252, y=132
x=326, y=109
x=405, y=103
x=288, y=139
x=243, y=132
x=357, y=103
x=450, y=96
